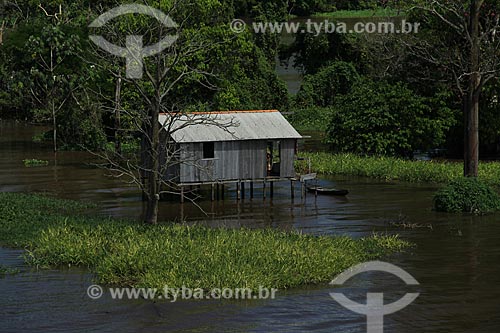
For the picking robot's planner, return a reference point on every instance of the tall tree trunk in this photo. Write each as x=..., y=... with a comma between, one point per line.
x=153, y=190
x=471, y=106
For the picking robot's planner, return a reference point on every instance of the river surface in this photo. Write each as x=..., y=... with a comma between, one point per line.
x=456, y=258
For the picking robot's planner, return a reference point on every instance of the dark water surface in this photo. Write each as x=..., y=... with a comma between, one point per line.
x=456, y=258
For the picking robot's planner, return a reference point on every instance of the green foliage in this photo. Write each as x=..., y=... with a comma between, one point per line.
x=42, y=72
x=35, y=163
x=310, y=119
x=467, y=195
x=312, y=52
x=390, y=168
x=383, y=119
x=129, y=147
x=124, y=253
x=323, y=88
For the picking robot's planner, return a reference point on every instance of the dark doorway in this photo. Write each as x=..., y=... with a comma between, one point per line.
x=273, y=155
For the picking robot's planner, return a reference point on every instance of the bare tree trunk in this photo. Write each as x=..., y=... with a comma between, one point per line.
x=118, y=98
x=471, y=106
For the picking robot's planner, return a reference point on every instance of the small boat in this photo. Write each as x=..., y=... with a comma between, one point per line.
x=327, y=191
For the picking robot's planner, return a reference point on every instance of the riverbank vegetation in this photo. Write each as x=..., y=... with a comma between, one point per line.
x=393, y=168
x=65, y=95
x=56, y=233
x=467, y=195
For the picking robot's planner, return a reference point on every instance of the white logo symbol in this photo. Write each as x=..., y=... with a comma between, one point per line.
x=134, y=51
x=374, y=309
x=95, y=291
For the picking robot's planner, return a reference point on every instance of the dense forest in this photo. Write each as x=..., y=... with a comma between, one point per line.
x=372, y=94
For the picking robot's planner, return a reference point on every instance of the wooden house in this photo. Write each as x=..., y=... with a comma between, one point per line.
x=233, y=146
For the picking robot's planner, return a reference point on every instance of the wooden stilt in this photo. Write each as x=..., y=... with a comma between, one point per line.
x=238, y=191
x=251, y=190
x=292, y=189
x=264, y=190
x=182, y=194
x=218, y=191
x=243, y=190
x=272, y=189
x=213, y=192
x=222, y=192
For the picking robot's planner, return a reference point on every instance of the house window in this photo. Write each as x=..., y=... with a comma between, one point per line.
x=209, y=150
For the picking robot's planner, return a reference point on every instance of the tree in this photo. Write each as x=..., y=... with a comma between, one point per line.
x=180, y=65
x=378, y=118
x=461, y=40
x=52, y=86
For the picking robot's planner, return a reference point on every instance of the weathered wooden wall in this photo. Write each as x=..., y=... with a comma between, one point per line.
x=234, y=160
x=287, y=155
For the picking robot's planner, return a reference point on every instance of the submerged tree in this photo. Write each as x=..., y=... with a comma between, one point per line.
x=53, y=79
x=155, y=81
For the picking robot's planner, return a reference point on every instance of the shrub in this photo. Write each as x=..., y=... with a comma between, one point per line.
x=468, y=195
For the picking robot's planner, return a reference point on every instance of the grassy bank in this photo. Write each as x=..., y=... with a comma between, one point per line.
x=389, y=168
x=366, y=13
x=129, y=254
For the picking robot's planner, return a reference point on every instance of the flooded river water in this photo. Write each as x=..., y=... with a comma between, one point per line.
x=456, y=258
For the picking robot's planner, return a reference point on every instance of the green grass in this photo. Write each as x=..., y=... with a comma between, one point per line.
x=35, y=163
x=126, y=253
x=389, y=168
x=366, y=13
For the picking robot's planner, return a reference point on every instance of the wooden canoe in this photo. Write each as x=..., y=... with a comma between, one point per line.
x=327, y=191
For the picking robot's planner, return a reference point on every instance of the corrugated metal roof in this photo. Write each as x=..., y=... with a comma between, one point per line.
x=229, y=126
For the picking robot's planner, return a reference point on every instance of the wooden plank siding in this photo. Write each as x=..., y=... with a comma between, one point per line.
x=287, y=155
x=234, y=160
